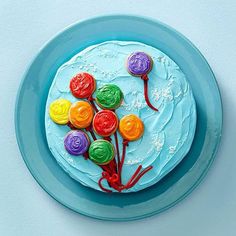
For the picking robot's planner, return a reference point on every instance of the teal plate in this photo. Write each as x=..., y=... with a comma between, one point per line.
x=30, y=110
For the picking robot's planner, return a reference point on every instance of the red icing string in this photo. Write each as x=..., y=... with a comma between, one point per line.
x=71, y=126
x=100, y=185
x=117, y=149
x=145, y=79
x=109, y=168
x=91, y=100
x=111, y=179
x=134, y=175
x=86, y=155
x=107, y=138
x=106, y=168
x=125, y=144
x=90, y=130
x=139, y=177
x=112, y=164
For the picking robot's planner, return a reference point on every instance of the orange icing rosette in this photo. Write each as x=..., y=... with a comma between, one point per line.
x=131, y=127
x=81, y=114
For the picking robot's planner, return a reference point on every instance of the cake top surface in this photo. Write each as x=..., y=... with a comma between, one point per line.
x=168, y=133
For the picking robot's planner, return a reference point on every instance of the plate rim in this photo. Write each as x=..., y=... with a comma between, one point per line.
x=88, y=21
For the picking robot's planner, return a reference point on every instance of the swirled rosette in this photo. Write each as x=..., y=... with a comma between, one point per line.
x=139, y=63
x=101, y=152
x=82, y=85
x=131, y=127
x=58, y=111
x=109, y=96
x=105, y=123
x=81, y=114
x=76, y=142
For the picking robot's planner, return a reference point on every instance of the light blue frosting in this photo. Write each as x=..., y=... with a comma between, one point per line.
x=168, y=133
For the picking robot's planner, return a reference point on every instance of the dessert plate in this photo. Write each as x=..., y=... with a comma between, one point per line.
x=30, y=110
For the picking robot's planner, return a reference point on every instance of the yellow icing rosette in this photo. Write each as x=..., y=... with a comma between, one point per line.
x=58, y=111
x=81, y=114
x=131, y=127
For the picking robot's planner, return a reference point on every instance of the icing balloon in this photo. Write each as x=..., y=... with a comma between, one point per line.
x=101, y=152
x=109, y=96
x=58, y=111
x=76, y=142
x=131, y=127
x=81, y=114
x=139, y=63
x=82, y=85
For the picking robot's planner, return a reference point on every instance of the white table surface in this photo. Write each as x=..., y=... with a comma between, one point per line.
x=25, y=209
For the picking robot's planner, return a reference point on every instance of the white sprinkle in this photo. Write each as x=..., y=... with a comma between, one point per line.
x=70, y=160
x=157, y=143
x=172, y=149
x=166, y=93
x=160, y=58
x=155, y=94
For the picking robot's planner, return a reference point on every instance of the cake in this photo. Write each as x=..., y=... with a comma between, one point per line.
x=120, y=115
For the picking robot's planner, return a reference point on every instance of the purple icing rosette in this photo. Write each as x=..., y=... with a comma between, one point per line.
x=139, y=63
x=76, y=142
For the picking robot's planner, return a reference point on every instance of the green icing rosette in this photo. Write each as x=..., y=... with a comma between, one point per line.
x=101, y=152
x=109, y=97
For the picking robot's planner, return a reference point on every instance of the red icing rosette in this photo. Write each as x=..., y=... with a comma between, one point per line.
x=82, y=85
x=105, y=123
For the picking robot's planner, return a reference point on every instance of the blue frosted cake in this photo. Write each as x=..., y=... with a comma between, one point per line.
x=120, y=115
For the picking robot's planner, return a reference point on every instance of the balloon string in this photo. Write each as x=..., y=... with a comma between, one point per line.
x=111, y=180
x=107, y=138
x=102, y=188
x=139, y=177
x=134, y=175
x=86, y=155
x=91, y=99
x=70, y=126
x=117, y=149
x=125, y=144
x=106, y=168
x=90, y=130
x=112, y=164
x=145, y=80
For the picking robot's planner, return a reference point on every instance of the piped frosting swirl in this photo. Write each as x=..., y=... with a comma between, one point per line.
x=81, y=114
x=109, y=96
x=76, y=142
x=59, y=110
x=101, y=152
x=131, y=127
x=105, y=123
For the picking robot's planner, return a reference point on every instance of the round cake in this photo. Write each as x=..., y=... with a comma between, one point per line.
x=120, y=115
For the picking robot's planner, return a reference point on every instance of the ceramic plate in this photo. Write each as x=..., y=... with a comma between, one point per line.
x=30, y=110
